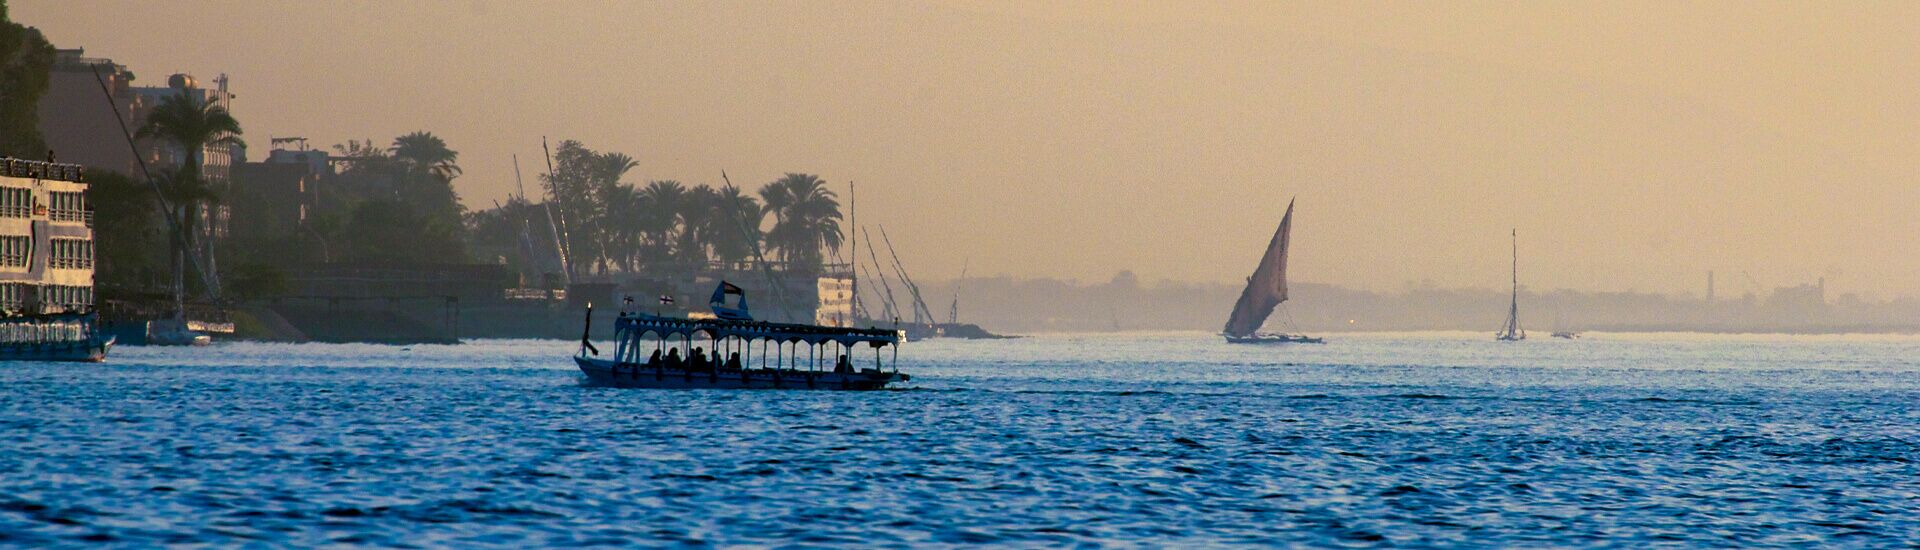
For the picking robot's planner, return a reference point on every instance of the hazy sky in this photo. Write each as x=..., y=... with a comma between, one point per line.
x=1635, y=146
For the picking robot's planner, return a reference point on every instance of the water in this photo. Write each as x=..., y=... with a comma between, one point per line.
x=1445, y=439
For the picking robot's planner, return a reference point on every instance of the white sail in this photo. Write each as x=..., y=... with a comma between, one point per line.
x=1512, y=329
x=1267, y=288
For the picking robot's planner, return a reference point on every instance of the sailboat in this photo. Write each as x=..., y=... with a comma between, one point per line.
x=1560, y=329
x=1266, y=289
x=1512, y=332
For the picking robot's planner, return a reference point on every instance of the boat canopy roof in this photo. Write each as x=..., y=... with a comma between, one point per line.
x=754, y=330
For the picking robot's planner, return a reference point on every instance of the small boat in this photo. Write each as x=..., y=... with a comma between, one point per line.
x=1560, y=329
x=1266, y=290
x=737, y=352
x=1512, y=331
x=54, y=337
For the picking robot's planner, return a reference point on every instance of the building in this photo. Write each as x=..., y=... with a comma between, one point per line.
x=276, y=197
x=46, y=239
x=80, y=123
x=84, y=126
x=835, y=296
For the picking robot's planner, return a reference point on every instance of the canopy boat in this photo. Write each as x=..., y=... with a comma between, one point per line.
x=1512, y=332
x=652, y=351
x=1266, y=289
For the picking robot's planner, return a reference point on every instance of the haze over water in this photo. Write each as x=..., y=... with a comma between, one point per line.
x=1636, y=145
x=1163, y=438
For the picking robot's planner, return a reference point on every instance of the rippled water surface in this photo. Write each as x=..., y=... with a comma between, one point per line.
x=1369, y=439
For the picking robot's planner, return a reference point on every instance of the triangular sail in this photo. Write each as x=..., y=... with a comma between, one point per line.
x=1512, y=330
x=1267, y=288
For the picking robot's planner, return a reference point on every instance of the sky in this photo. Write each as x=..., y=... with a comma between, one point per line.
x=1634, y=146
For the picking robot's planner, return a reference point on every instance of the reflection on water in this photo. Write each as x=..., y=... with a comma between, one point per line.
x=1447, y=439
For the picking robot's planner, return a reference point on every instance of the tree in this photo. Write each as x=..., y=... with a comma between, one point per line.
x=425, y=169
x=660, y=202
x=26, y=65
x=191, y=124
x=736, y=221
x=123, y=223
x=424, y=152
x=390, y=232
x=806, y=219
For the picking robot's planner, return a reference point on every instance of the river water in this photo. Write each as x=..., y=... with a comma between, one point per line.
x=1423, y=439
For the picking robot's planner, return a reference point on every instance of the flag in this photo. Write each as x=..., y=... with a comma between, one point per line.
x=720, y=293
x=666, y=300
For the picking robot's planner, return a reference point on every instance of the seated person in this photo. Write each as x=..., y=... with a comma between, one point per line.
x=699, y=360
x=843, y=366
x=654, y=361
x=673, y=359
x=733, y=361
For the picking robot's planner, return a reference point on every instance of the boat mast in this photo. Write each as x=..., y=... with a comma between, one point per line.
x=1513, y=306
x=893, y=305
x=921, y=313
x=853, y=256
x=779, y=292
x=560, y=238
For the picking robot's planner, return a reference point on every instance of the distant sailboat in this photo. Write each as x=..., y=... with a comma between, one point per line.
x=1266, y=289
x=1512, y=332
x=1560, y=329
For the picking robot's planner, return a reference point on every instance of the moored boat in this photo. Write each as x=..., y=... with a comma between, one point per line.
x=46, y=265
x=54, y=337
x=737, y=352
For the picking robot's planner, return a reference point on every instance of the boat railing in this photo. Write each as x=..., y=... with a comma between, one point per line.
x=730, y=339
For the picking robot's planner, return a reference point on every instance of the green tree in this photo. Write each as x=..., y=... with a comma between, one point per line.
x=424, y=152
x=806, y=219
x=735, y=225
x=660, y=202
x=424, y=171
x=26, y=65
x=191, y=124
x=123, y=227
x=386, y=231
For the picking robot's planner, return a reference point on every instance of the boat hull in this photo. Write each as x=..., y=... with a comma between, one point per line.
x=602, y=372
x=78, y=351
x=1275, y=339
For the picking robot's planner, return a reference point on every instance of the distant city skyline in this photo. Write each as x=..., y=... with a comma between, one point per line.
x=1634, y=147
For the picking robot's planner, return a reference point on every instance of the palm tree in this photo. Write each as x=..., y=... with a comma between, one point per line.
x=426, y=152
x=806, y=219
x=603, y=183
x=193, y=125
x=659, y=204
x=736, y=225
x=697, y=223
x=185, y=193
